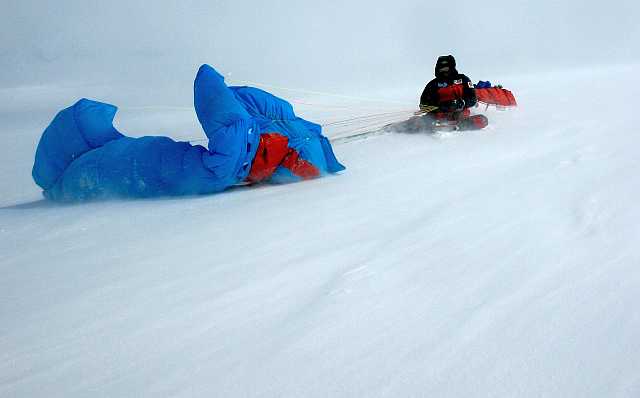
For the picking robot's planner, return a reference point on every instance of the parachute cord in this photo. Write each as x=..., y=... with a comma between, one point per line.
x=353, y=125
x=365, y=118
x=365, y=130
x=372, y=122
x=319, y=93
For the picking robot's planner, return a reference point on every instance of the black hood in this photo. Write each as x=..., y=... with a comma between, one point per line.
x=446, y=60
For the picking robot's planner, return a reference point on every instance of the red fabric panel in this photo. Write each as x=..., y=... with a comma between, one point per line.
x=450, y=93
x=501, y=98
x=512, y=99
x=496, y=96
x=271, y=151
x=483, y=95
x=300, y=167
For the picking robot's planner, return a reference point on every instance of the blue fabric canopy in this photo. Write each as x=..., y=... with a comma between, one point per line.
x=81, y=155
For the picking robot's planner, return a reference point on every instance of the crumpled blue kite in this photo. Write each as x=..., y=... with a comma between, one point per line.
x=253, y=136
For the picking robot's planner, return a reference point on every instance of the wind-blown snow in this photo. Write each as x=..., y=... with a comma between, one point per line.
x=494, y=263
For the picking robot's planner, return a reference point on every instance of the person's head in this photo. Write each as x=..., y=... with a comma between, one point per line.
x=445, y=66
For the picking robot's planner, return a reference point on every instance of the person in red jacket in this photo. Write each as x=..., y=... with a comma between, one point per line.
x=450, y=95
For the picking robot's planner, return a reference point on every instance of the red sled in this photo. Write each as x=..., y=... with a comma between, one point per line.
x=497, y=96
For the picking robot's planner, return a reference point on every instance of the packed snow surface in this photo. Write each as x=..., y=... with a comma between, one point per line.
x=501, y=262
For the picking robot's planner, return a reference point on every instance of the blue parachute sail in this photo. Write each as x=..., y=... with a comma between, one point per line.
x=81, y=155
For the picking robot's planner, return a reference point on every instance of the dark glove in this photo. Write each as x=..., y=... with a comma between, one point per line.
x=452, y=106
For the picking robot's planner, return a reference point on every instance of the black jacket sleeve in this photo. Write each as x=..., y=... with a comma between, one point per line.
x=470, y=98
x=430, y=94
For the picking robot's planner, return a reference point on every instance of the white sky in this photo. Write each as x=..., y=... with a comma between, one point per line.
x=307, y=43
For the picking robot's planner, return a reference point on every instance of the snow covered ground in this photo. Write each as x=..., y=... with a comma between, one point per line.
x=494, y=263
